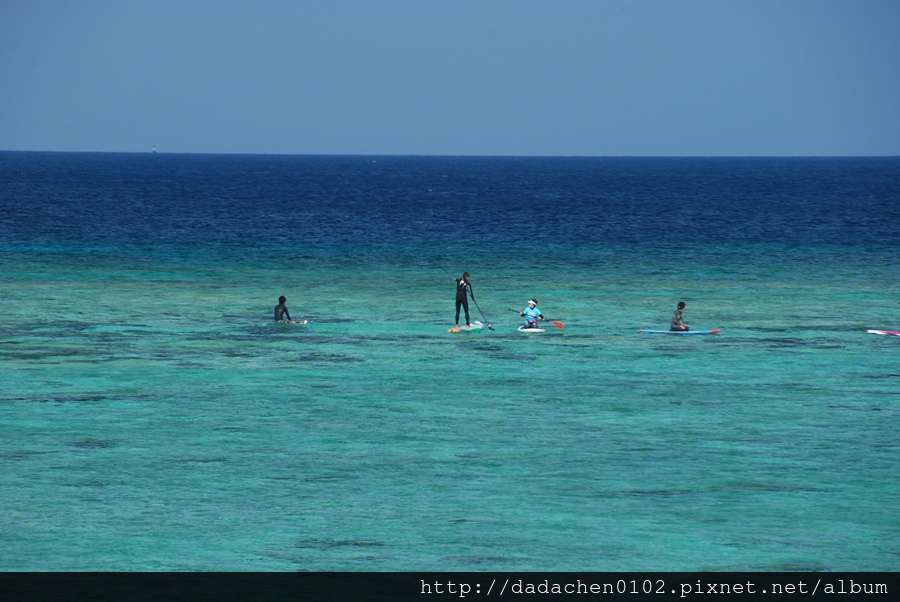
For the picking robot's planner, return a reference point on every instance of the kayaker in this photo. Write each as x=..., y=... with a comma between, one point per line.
x=678, y=319
x=532, y=314
x=463, y=287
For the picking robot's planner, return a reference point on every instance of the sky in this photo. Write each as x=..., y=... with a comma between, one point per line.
x=460, y=77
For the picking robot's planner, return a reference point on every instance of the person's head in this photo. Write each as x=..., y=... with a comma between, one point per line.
x=465, y=275
x=532, y=302
x=282, y=299
x=681, y=305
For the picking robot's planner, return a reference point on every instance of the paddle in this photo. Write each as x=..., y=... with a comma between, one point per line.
x=557, y=324
x=482, y=314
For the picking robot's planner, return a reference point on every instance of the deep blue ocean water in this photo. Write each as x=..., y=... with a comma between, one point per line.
x=152, y=417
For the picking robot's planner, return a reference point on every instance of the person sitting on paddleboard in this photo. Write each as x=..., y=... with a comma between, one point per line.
x=678, y=320
x=463, y=286
x=532, y=314
x=281, y=311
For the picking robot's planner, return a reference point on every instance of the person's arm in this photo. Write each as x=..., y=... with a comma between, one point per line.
x=287, y=313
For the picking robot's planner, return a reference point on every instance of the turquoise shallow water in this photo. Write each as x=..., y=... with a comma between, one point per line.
x=152, y=418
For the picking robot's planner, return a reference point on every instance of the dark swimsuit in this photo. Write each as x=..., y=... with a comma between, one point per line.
x=461, y=300
x=281, y=311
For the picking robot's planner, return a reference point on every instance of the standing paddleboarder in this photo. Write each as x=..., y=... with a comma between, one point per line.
x=463, y=288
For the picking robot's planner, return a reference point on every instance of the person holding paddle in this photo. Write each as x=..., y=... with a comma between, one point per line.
x=532, y=314
x=463, y=287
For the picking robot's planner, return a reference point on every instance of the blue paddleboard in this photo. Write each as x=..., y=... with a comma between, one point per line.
x=718, y=330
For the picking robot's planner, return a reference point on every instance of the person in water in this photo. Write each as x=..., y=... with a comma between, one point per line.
x=678, y=323
x=532, y=314
x=463, y=288
x=281, y=311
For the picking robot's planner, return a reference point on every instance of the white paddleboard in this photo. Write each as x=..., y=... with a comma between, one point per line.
x=476, y=325
x=523, y=329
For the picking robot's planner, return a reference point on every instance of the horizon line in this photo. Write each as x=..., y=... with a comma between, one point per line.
x=450, y=156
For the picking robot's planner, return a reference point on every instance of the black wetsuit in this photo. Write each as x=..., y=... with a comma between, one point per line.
x=678, y=322
x=281, y=312
x=463, y=286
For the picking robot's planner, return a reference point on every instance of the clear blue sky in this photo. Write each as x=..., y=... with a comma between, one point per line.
x=441, y=77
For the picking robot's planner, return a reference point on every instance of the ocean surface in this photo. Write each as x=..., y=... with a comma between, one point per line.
x=154, y=418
